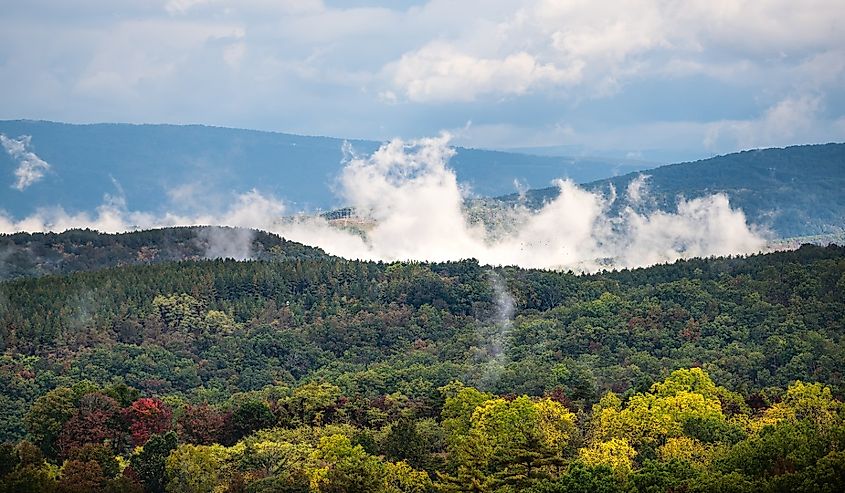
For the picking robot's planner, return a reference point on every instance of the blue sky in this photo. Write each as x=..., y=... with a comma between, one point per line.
x=697, y=77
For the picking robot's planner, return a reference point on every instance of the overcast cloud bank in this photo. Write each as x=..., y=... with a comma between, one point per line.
x=712, y=76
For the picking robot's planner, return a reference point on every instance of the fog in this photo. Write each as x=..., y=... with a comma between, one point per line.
x=408, y=205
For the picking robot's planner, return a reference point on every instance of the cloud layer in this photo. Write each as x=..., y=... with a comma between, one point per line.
x=409, y=205
x=710, y=76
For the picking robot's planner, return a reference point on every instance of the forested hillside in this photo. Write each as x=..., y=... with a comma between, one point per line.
x=795, y=191
x=322, y=374
x=37, y=254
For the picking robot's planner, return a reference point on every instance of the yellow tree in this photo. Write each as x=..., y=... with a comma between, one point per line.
x=509, y=442
x=196, y=468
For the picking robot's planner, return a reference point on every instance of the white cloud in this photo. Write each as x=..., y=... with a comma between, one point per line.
x=285, y=64
x=637, y=189
x=413, y=208
x=141, y=55
x=439, y=73
x=790, y=121
x=31, y=168
x=599, y=46
x=248, y=210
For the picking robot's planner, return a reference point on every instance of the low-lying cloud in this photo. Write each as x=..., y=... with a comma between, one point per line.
x=30, y=167
x=409, y=205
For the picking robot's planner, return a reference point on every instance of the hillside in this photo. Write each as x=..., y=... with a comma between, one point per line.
x=794, y=191
x=159, y=166
x=38, y=254
x=267, y=376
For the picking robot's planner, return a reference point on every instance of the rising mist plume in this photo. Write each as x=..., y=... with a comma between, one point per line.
x=30, y=167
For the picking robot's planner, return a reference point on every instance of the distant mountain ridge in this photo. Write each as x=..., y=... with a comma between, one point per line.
x=156, y=166
x=793, y=191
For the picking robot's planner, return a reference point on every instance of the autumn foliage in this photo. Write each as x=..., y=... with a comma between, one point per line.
x=146, y=417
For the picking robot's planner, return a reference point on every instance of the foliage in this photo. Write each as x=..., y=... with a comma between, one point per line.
x=322, y=374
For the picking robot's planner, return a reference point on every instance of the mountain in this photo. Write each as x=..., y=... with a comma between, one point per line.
x=38, y=254
x=654, y=157
x=156, y=166
x=793, y=191
x=720, y=374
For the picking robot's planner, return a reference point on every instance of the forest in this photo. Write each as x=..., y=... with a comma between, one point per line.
x=793, y=191
x=305, y=372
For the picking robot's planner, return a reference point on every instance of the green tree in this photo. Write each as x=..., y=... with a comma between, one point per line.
x=149, y=462
x=47, y=416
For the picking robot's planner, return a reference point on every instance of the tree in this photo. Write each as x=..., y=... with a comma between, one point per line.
x=149, y=463
x=402, y=478
x=147, y=416
x=81, y=477
x=812, y=402
x=404, y=443
x=615, y=453
x=250, y=416
x=201, y=424
x=346, y=468
x=31, y=473
x=102, y=455
x=510, y=442
x=195, y=468
x=310, y=402
x=97, y=421
x=583, y=479
x=47, y=416
x=650, y=418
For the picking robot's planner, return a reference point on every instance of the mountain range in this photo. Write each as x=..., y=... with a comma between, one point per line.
x=152, y=166
x=792, y=191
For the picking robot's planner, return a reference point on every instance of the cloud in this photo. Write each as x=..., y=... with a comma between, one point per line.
x=415, y=210
x=31, y=168
x=248, y=210
x=385, y=70
x=410, y=206
x=440, y=73
x=182, y=7
x=789, y=121
x=637, y=189
x=591, y=49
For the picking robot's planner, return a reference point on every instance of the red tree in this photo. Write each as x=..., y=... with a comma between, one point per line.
x=96, y=421
x=146, y=417
x=202, y=424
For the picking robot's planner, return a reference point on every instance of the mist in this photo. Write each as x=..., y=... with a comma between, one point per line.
x=30, y=167
x=226, y=242
x=408, y=205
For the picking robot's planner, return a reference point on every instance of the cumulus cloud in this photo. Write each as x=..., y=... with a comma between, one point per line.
x=409, y=205
x=599, y=46
x=440, y=73
x=30, y=167
x=417, y=211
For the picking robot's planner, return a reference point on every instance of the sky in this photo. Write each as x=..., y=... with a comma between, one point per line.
x=633, y=77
